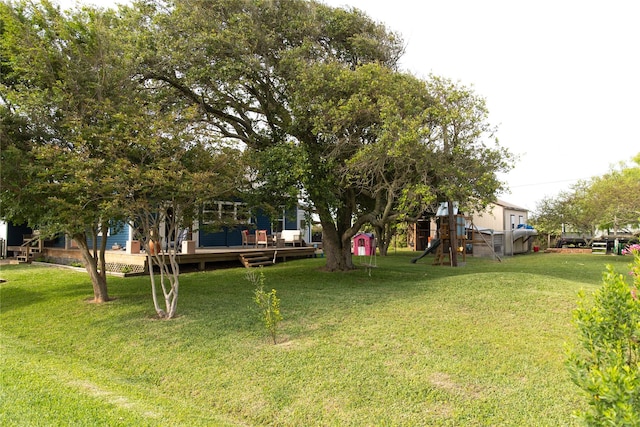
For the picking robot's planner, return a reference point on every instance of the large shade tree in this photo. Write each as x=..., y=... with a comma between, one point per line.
x=86, y=142
x=257, y=71
x=65, y=91
x=388, y=119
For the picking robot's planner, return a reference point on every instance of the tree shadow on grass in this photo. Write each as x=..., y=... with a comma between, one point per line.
x=12, y=297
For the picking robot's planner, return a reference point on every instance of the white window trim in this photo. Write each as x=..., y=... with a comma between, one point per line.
x=217, y=206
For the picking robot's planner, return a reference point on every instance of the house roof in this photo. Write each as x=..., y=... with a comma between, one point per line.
x=508, y=205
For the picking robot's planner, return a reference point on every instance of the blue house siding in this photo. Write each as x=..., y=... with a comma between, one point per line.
x=263, y=223
x=118, y=233
x=227, y=237
x=290, y=221
x=220, y=238
x=232, y=236
x=15, y=233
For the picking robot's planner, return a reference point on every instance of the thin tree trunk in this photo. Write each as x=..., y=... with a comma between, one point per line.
x=453, y=235
x=169, y=279
x=152, y=278
x=98, y=280
x=101, y=254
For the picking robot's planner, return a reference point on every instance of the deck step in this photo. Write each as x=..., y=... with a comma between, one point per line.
x=256, y=259
x=27, y=249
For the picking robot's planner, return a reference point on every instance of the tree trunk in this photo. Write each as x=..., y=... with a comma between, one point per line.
x=337, y=253
x=453, y=235
x=384, y=236
x=168, y=281
x=380, y=240
x=102, y=263
x=98, y=279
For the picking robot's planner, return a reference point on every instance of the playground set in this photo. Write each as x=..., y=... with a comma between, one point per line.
x=444, y=244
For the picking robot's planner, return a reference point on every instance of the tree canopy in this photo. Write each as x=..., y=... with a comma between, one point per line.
x=85, y=144
x=319, y=80
x=312, y=93
x=66, y=111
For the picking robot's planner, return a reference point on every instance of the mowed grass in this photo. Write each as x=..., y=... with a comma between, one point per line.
x=410, y=345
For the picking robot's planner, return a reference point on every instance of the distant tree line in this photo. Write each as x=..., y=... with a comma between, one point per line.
x=603, y=204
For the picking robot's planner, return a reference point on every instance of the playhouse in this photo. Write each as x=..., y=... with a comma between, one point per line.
x=364, y=244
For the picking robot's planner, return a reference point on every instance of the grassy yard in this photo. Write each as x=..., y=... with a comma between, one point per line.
x=413, y=344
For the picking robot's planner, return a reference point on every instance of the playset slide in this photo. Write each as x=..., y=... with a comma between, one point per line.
x=434, y=244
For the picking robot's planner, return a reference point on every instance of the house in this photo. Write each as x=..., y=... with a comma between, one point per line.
x=12, y=236
x=501, y=229
x=120, y=235
x=501, y=215
x=232, y=236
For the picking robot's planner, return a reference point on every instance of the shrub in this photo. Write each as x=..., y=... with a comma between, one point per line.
x=607, y=364
x=268, y=303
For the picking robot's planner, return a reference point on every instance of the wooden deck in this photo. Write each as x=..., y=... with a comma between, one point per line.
x=203, y=258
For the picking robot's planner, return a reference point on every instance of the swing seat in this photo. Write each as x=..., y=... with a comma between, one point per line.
x=368, y=267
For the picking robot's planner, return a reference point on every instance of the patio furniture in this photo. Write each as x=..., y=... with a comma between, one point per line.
x=261, y=238
x=248, y=239
x=292, y=237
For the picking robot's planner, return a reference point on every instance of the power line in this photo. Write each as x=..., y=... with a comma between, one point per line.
x=547, y=183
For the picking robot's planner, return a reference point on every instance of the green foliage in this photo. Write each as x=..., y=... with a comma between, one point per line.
x=308, y=87
x=268, y=303
x=66, y=98
x=610, y=201
x=465, y=155
x=607, y=364
x=547, y=218
x=617, y=195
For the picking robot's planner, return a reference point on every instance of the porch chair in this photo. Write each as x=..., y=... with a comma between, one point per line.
x=261, y=238
x=248, y=239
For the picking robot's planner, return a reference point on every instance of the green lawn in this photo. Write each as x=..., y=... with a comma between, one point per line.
x=413, y=344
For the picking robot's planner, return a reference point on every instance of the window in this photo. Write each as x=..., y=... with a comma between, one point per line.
x=521, y=219
x=513, y=221
x=225, y=211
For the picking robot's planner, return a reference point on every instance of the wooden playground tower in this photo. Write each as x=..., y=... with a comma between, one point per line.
x=443, y=251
